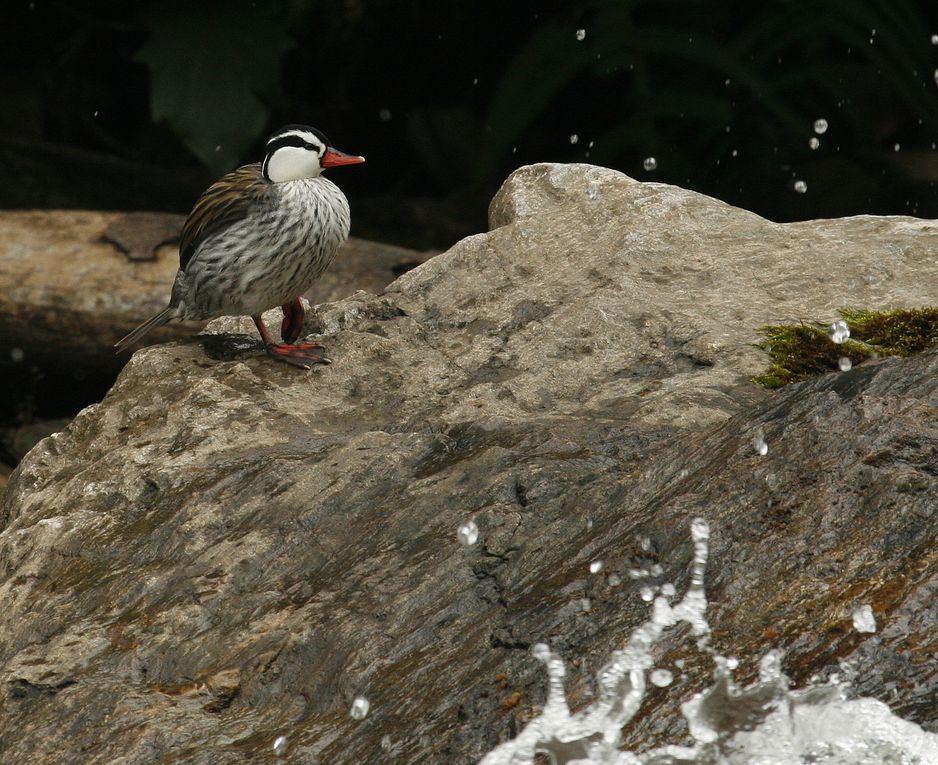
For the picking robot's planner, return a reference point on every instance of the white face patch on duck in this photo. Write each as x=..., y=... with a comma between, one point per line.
x=293, y=154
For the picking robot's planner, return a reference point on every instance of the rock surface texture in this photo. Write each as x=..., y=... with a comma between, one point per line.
x=226, y=550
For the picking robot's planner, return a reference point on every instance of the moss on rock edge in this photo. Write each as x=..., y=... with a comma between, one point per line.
x=800, y=351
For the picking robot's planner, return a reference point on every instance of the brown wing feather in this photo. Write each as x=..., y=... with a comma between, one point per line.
x=226, y=201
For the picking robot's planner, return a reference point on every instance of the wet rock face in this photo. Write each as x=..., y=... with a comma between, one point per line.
x=226, y=550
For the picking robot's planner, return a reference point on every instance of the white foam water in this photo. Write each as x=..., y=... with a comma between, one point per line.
x=765, y=723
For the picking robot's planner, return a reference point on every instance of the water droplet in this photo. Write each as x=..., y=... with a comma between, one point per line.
x=759, y=444
x=386, y=742
x=645, y=543
x=863, y=619
x=801, y=187
x=647, y=592
x=596, y=566
x=281, y=745
x=726, y=82
x=514, y=149
x=820, y=126
x=475, y=80
x=814, y=143
x=581, y=34
x=589, y=523
x=218, y=147
x=650, y=164
x=467, y=533
x=96, y=112
x=384, y=115
x=17, y=355
x=661, y=677
x=592, y=192
x=656, y=569
x=585, y=604
x=731, y=662
x=734, y=152
x=668, y=590
x=574, y=138
x=838, y=332
x=590, y=144
x=845, y=364
x=359, y=708
x=895, y=147
x=615, y=580
x=934, y=39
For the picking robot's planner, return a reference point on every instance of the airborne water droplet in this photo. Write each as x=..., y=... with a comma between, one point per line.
x=596, y=566
x=934, y=39
x=581, y=34
x=281, y=745
x=863, y=619
x=845, y=364
x=384, y=114
x=838, y=332
x=650, y=164
x=661, y=677
x=814, y=143
x=574, y=138
x=759, y=444
x=801, y=187
x=359, y=708
x=467, y=533
x=820, y=126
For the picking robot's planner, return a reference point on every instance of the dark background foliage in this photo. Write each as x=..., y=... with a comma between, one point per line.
x=139, y=106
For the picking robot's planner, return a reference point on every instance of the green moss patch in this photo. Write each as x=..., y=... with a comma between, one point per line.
x=804, y=350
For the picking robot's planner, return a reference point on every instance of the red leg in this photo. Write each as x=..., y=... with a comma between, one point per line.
x=293, y=314
x=302, y=355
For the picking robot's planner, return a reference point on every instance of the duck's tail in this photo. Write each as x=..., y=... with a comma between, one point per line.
x=150, y=324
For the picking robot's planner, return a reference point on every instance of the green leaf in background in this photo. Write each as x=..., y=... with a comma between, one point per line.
x=209, y=68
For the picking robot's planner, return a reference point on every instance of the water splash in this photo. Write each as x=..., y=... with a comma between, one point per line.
x=765, y=723
x=592, y=735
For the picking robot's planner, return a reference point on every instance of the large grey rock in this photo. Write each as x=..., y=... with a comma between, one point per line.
x=226, y=549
